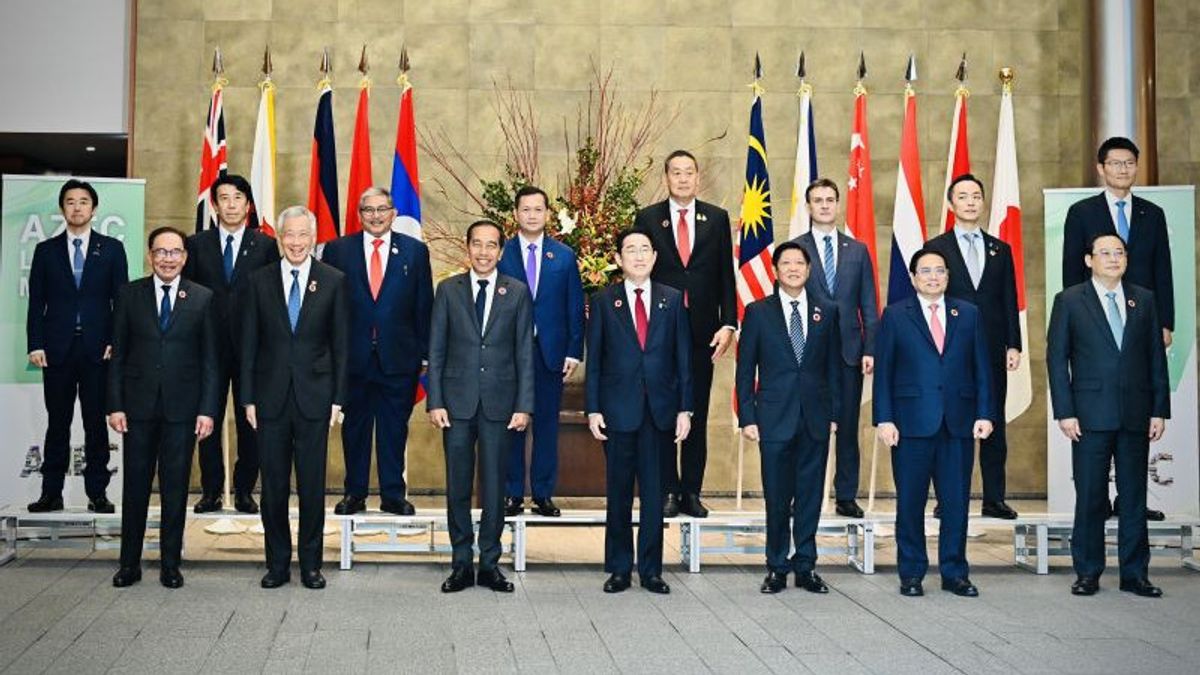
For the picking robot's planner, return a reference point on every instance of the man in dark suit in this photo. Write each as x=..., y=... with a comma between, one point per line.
x=552, y=276
x=697, y=259
x=73, y=284
x=391, y=296
x=982, y=273
x=1141, y=224
x=791, y=347
x=162, y=395
x=294, y=367
x=842, y=270
x=480, y=389
x=932, y=398
x=639, y=402
x=222, y=259
x=1110, y=394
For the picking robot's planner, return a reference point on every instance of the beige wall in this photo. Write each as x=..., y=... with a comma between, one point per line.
x=699, y=54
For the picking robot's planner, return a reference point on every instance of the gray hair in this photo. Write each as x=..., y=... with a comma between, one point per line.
x=298, y=211
x=376, y=191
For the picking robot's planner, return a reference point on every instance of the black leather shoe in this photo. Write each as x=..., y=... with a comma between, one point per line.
x=127, y=576
x=691, y=506
x=849, y=508
x=275, y=579
x=46, y=503
x=1141, y=587
x=773, y=583
x=999, y=510
x=494, y=579
x=960, y=587
x=170, y=577
x=1155, y=515
x=101, y=505
x=244, y=503
x=937, y=511
x=513, y=506
x=1085, y=585
x=655, y=584
x=459, y=579
x=312, y=579
x=208, y=503
x=911, y=588
x=399, y=507
x=616, y=583
x=670, y=506
x=546, y=507
x=350, y=505
x=811, y=582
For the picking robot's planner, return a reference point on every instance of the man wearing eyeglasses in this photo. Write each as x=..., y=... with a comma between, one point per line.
x=222, y=259
x=1140, y=224
x=1109, y=393
x=933, y=399
x=391, y=299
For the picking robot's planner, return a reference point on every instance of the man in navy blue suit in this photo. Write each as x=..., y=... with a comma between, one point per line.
x=639, y=402
x=932, y=398
x=1111, y=396
x=73, y=284
x=549, y=269
x=791, y=347
x=842, y=271
x=391, y=299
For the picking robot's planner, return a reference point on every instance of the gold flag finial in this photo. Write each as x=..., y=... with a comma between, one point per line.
x=1007, y=75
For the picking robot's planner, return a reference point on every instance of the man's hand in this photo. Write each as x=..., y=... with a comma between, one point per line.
x=38, y=358
x=1012, y=359
x=519, y=421
x=888, y=434
x=439, y=418
x=1158, y=425
x=204, y=427
x=982, y=429
x=1070, y=428
x=683, y=425
x=1167, y=337
x=252, y=416
x=868, y=365
x=722, y=340
x=118, y=422
x=596, y=426
x=569, y=366
x=750, y=432
x=107, y=352
x=335, y=414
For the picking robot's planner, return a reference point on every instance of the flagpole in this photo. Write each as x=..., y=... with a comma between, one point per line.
x=740, y=468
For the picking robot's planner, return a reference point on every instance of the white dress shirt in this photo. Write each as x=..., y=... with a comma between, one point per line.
x=286, y=268
x=490, y=293
x=941, y=311
x=691, y=221
x=786, y=301
x=158, y=293
x=237, y=240
x=538, y=252
x=384, y=249
x=819, y=239
x=964, y=245
x=1102, y=294
x=631, y=299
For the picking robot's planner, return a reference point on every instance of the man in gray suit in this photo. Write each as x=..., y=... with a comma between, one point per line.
x=842, y=272
x=480, y=387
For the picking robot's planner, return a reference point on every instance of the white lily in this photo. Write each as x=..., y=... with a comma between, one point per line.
x=566, y=224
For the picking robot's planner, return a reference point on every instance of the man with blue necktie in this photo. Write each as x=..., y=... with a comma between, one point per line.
x=552, y=276
x=73, y=284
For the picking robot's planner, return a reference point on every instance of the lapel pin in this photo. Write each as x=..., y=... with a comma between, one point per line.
x=816, y=317
x=312, y=286
x=549, y=255
x=953, y=312
x=617, y=303
x=701, y=218
x=992, y=252
x=1131, y=303
x=395, y=250
x=662, y=303
x=502, y=290
x=666, y=223
x=181, y=294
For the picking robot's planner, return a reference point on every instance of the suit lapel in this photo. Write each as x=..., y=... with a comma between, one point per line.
x=952, y=322
x=468, y=299
x=500, y=302
x=61, y=254
x=181, y=297
x=667, y=234
x=917, y=314
x=1097, y=311
x=90, y=257
x=309, y=295
x=397, y=264
x=816, y=267
x=149, y=299
x=780, y=327
x=281, y=297
x=619, y=303
x=249, y=242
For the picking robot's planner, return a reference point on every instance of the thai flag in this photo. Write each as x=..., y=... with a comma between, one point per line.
x=908, y=220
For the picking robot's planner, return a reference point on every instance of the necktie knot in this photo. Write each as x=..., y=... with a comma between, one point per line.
x=638, y=292
x=377, y=243
x=532, y=248
x=1111, y=295
x=167, y=289
x=295, y=275
x=483, y=284
x=77, y=243
x=229, y=240
x=683, y=213
x=795, y=305
x=933, y=307
x=1120, y=203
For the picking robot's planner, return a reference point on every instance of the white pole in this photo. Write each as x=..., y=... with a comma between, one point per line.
x=740, y=467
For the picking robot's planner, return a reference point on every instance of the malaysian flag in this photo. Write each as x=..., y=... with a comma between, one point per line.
x=755, y=278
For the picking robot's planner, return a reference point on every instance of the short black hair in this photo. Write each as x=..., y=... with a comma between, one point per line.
x=675, y=154
x=240, y=184
x=76, y=184
x=527, y=190
x=1115, y=143
x=1091, y=246
x=484, y=223
x=963, y=178
x=922, y=252
x=789, y=246
x=165, y=229
x=822, y=183
x=625, y=234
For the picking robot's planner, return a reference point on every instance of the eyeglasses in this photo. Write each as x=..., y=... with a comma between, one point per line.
x=1117, y=164
x=1114, y=253
x=374, y=210
x=931, y=271
x=167, y=253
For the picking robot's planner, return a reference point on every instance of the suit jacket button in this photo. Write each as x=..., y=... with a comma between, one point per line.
x=483, y=370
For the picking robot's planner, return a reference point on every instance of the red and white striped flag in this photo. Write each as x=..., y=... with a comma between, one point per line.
x=1005, y=225
x=908, y=217
x=213, y=159
x=958, y=161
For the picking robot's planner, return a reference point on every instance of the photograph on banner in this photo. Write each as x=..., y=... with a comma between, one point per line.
x=31, y=215
x=1173, y=480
